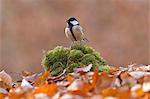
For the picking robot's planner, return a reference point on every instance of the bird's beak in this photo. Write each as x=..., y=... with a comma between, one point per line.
x=66, y=21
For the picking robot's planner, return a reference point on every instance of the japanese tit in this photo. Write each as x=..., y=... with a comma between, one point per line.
x=74, y=31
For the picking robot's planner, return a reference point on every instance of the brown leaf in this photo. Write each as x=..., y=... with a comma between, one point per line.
x=32, y=78
x=41, y=80
x=2, y=96
x=26, y=73
x=126, y=78
x=78, y=92
x=69, y=78
x=104, y=81
x=5, y=80
x=84, y=69
x=123, y=92
x=95, y=78
x=109, y=92
x=53, y=79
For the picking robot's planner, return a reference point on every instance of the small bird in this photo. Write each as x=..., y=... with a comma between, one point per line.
x=74, y=31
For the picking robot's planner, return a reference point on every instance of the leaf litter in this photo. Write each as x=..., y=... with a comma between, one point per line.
x=132, y=82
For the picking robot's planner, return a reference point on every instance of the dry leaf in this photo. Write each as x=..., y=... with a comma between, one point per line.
x=131, y=82
x=49, y=89
x=84, y=69
x=5, y=80
x=26, y=84
x=41, y=80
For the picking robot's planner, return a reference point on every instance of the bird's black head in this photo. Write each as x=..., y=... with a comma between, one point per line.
x=72, y=21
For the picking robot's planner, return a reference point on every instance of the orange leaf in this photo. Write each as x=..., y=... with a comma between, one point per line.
x=86, y=87
x=147, y=96
x=47, y=89
x=103, y=81
x=2, y=96
x=140, y=92
x=124, y=75
x=78, y=92
x=121, y=93
x=109, y=92
x=69, y=78
x=41, y=80
x=95, y=78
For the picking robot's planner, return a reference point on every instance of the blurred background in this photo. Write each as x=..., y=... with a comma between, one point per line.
x=118, y=29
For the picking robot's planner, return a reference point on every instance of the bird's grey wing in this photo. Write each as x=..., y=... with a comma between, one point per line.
x=78, y=32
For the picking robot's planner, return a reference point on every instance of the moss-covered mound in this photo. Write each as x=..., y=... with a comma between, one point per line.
x=59, y=58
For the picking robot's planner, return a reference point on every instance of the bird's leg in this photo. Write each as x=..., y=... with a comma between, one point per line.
x=72, y=44
x=75, y=43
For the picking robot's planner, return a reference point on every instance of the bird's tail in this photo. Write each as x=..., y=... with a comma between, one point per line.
x=85, y=40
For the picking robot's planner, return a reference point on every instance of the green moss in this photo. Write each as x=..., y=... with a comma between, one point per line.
x=71, y=67
x=89, y=59
x=75, y=55
x=59, y=58
x=104, y=68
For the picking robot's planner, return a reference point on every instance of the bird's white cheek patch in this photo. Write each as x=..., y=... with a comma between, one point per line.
x=74, y=22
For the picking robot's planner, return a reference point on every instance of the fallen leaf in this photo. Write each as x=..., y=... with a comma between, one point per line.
x=4, y=91
x=41, y=80
x=83, y=69
x=78, y=92
x=5, y=80
x=69, y=78
x=49, y=89
x=2, y=96
x=41, y=96
x=109, y=92
x=103, y=81
x=26, y=73
x=95, y=78
x=67, y=96
x=146, y=87
x=32, y=78
x=139, y=74
x=26, y=84
x=140, y=92
x=75, y=85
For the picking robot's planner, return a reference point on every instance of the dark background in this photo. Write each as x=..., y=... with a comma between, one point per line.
x=118, y=29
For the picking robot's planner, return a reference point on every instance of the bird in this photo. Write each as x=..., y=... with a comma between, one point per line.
x=74, y=31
